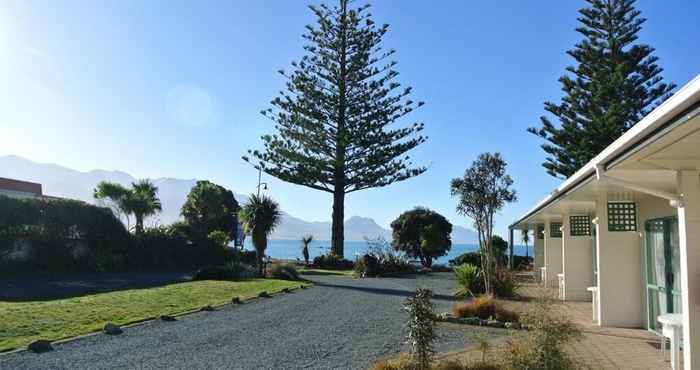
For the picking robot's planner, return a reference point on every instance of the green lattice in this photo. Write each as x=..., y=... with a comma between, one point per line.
x=622, y=216
x=555, y=229
x=580, y=225
x=540, y=232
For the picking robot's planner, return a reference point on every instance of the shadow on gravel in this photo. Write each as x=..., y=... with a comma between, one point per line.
x=78, y=285
x=384, y=291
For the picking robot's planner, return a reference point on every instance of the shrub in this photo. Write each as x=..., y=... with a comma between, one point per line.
x=409, y=363
x=469, y=279
x=332, y=262
x=484, y=307
x=283, y=271
x=369, y=265
x=421, y=323
x=381, y=258
x=472, y=258
x=441, y=268
x=225, y=272
x=542, y=346
x=505, y=284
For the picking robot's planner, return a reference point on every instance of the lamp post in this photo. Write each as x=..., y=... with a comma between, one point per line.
x=264, y=184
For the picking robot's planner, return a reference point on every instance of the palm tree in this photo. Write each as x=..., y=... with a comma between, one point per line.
x=306, y=240
x=141, y=200
x=260, y=216
x=144, y=202
x=525, y=237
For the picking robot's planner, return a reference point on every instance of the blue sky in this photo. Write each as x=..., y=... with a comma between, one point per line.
x=174, y=88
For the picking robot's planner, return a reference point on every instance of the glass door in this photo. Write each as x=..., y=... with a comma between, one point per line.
x=662, y=257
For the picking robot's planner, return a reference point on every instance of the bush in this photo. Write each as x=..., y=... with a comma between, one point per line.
x=332, y=262
x=505, y=284
x=469, y=279
x=441, y=268
x=542, y=346
x=408, y=363
x=484, y=307
x=381, y=258
x=283, y=271
x=60, y=235
x=225, y=272
x=472, y=258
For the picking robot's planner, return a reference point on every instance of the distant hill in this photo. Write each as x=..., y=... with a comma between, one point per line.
x=69, y=183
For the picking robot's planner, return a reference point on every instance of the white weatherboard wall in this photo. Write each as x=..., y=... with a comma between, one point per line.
x=689, y=236
x=552, y=257
x=578, y=264
x=538, y=250
x=619, y=273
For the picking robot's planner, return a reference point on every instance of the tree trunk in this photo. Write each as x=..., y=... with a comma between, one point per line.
x=138, y=229
x=338, y=229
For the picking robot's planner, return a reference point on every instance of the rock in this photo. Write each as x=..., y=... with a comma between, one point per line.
x=472, y=321
x=495, y=324
x=513, y=325
x=112, y=329
x=207, y=308
x=40, y=346
x=264, y=294
x=236, y=300
x=167, y=318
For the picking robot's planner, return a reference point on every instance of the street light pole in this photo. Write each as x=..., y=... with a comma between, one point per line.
x=259, y=178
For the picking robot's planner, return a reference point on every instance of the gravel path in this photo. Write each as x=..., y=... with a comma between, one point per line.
x=340, y=323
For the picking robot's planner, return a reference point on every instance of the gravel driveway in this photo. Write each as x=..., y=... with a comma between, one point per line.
x=339, y=323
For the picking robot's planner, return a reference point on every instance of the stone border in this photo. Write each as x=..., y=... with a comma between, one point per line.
x=305, y=285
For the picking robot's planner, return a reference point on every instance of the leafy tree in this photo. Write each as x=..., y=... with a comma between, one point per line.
x=482, y=191
x=141, y=200
x=336, y=120
x=422, y=233
x=615, y=83
x=525, y=237
x=500, y=249
x=113, y=195
x=305, y=241
x=210, y=207
x=260, y=216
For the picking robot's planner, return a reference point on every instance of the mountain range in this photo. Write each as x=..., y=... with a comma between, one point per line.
x=64, y=182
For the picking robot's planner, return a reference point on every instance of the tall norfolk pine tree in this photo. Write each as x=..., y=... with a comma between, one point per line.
x=616, y=82
x=333, y=120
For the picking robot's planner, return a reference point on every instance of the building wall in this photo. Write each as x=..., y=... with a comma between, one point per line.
x=552, y=257
x=538, y=251
x=620, y=287
x=578, y=264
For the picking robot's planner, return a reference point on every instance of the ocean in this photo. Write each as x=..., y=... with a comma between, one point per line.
x=291, y=249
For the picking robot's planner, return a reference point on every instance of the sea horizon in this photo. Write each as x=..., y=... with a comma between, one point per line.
x=290, y=249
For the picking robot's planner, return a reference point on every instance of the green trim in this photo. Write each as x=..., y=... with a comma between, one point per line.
x=555, y=229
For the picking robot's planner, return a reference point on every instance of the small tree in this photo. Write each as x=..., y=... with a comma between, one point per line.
x=210, y=207
x=421, y=323
x=422, y=233
x=260, y=215
x=305, y=241
x=482, y=191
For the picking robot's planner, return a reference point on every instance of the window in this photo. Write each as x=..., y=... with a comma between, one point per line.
x=622, y=216
x=555, y=229
x=580, y=225
x=540, y=232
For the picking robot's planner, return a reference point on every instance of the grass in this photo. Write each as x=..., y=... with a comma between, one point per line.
x=312, y=271
x=23, y=322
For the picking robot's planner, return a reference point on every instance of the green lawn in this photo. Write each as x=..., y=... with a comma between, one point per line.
x=24, y=322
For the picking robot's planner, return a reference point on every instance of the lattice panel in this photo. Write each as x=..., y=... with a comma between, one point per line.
x=622, y=216
x=580, y=225
x=555, y=229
